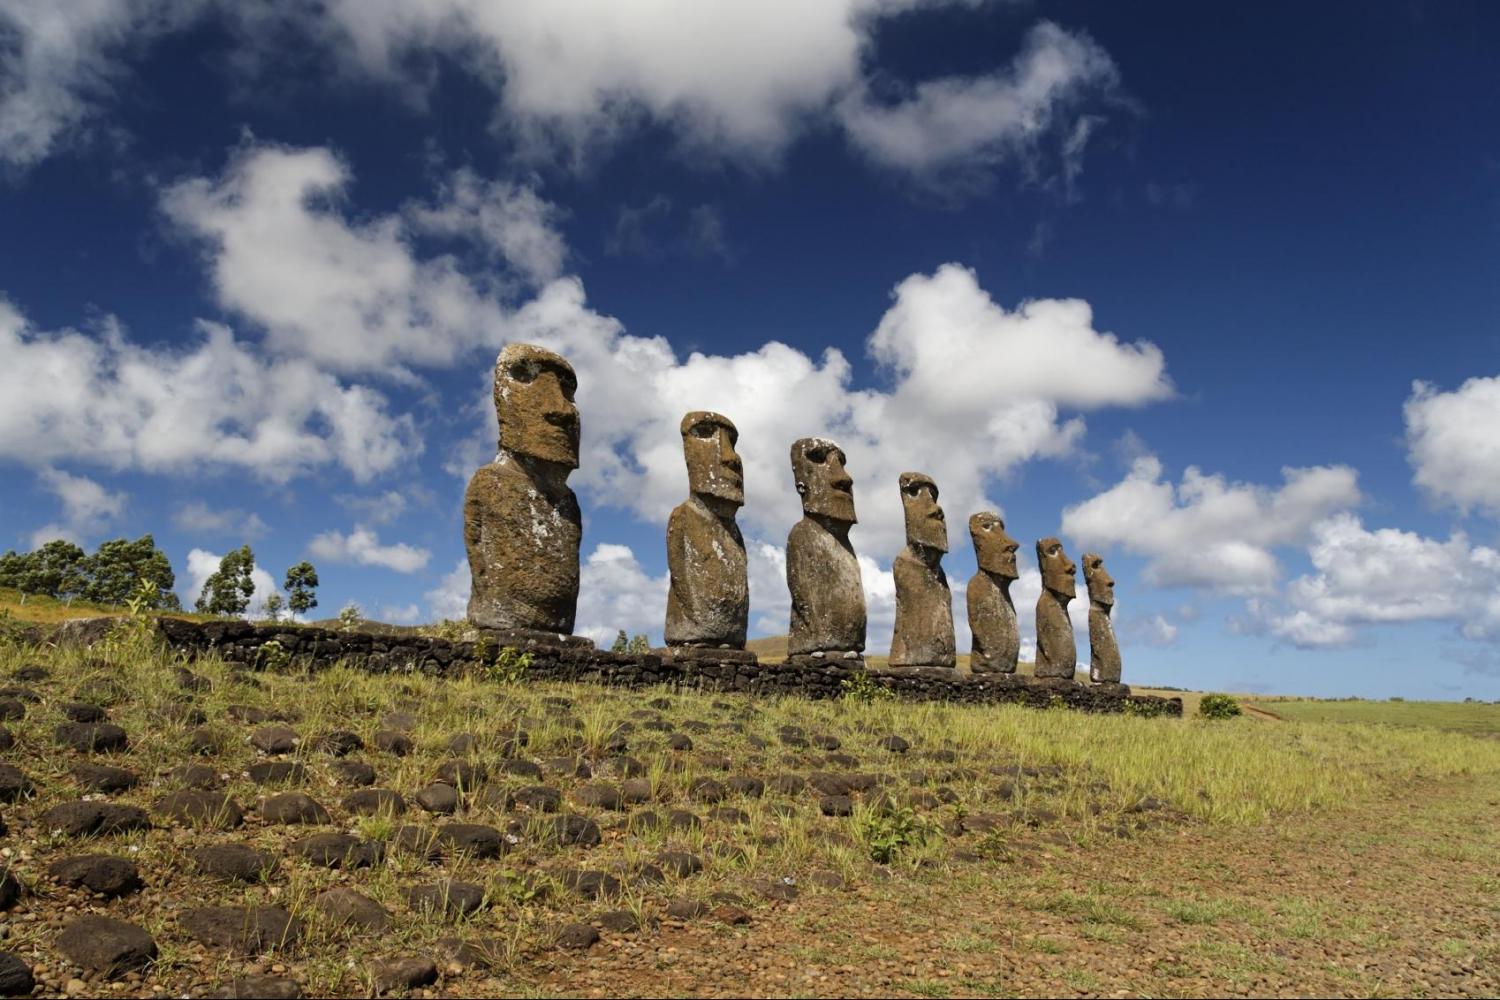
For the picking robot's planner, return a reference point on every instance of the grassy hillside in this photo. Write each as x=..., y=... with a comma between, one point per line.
x=1447, y=716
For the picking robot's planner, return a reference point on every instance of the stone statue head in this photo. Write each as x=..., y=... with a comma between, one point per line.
x=714, y=468
x=825, y=488
x=993, y=546
x=1101, y=584
x=1057, y=568
x=534, y=401
x=925, y=524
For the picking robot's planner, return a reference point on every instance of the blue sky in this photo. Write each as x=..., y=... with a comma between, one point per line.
x=1209, y=291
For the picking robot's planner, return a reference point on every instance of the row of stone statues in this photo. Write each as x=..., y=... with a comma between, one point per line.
x=523, y=526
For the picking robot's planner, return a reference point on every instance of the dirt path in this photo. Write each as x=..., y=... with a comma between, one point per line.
x=1398, y=898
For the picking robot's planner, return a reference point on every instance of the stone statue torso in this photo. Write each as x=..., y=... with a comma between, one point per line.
x=1056, y=653
x=522, y=528
x=828, y=599
x=708, y=602
x=1104, y=650
x=992, y=621
x=924, y=614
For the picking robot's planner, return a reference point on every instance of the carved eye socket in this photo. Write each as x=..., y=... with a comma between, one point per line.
x=524, y=371
x=704, y=430
x=819, y=455
x=569, y=383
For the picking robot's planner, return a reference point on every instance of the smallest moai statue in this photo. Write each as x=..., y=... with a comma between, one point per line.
x=1104, y=650
x=1056, y=653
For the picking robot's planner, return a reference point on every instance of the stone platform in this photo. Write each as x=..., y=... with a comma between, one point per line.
x=568, y=658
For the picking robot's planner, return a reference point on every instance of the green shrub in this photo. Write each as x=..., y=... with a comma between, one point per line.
x=1218, y=706
x=861, y=687
x=887, y=832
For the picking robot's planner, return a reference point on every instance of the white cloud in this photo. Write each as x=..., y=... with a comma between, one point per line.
x=1452, y=445
x=993, y=379
x=198, y=517
x=362, y=548
x=351, y=296
x=1207, y=531
x=733, y=82
x=1387, y=576
x=615, y=592
x=58, y=61
x=202, y=564
x=450, y=598
x=965, y=124
x=512, y=222
x=381, y=508
x=88, y=507
x=100, y=398
x=1152, y=630
x=402, y=614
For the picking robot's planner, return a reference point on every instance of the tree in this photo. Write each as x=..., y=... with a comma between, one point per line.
x=58, y=569
x=621, y=643
x=228, y=590
x=638, y=645
x=274, y=604
x=118, y=570
x=301, y=581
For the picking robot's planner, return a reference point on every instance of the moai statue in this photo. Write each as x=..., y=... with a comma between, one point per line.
x=1104, y=651
x=1056, y=655
x=709, y=600
x=992, y=614
x=822, y=573
x=522, y=524
x=924, y=605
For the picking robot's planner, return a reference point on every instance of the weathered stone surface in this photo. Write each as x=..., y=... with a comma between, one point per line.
x=15, y=976
x=10, y=889
x=197, y=807
x=822, y=572
x=451, y=899
x=92, y=737
x=234, y=862
x=474, y=839
x=405, y=972
x=577, y=937
x=346, y=906
x=274, y=739
x=106, y=947
x=992, y=613
x=103, y=778
x=924, y=606
x=260, y=988
x=246, y=930
x=101, y=873
x=371, y=801
x=708, y=600
x=277, y=772
x=338, y=850
x=79, y=711
x=80, y=818
x=522, y=524
x=1056, y=652
x=1104, y=649
x=292, y=807
x=14, y=784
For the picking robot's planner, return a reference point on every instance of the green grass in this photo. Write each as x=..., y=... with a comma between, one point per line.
x=1448, y=716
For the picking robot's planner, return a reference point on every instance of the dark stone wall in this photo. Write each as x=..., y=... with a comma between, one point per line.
x=312, y=648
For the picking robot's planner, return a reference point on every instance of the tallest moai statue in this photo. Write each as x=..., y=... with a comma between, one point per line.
x=522, y=525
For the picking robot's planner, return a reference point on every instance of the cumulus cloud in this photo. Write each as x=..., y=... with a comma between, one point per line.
x=202, y=564
x=400, y=614
x=1451, y=443
x=59, y=62
x=1151, y=630
x=450, y=598
x=732, y=82
x=362, y=547
x=1207, y=531
x=964, y=124
x=101, y=398
x=380, y=508
x=350, y=296
x=513, y=223
x=197, y=517
x=961, y=367
x=87, y=507
x=1387, y=576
